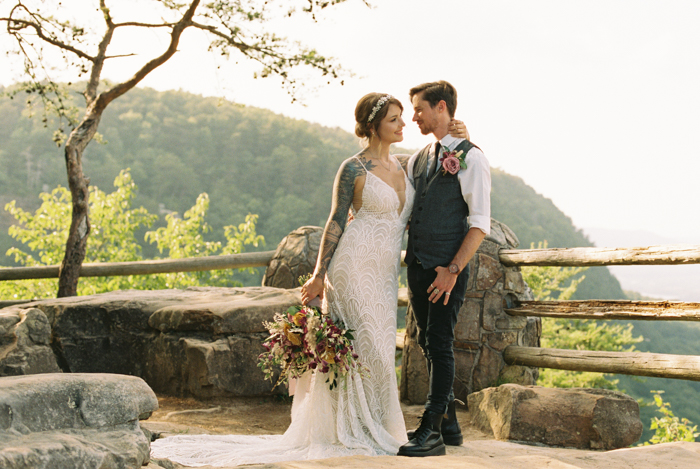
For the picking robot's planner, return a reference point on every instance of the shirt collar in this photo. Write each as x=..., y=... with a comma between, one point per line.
x=449, y=142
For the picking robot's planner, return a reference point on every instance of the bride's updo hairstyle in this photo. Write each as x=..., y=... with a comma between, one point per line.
x=370, y=111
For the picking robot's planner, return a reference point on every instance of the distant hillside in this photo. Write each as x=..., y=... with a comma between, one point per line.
x=535, y=218
x=671, y=282
x=248, y=160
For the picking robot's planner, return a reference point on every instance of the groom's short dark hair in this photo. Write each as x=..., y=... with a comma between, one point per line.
x=435, y=92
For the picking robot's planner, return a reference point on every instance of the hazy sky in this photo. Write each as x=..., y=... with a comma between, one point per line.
x=595, y=104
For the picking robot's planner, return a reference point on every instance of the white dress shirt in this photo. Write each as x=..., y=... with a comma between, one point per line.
x=475, y=182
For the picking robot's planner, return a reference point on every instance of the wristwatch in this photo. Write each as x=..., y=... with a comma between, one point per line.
x=453, y=268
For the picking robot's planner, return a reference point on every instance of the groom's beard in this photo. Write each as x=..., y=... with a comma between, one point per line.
x=427, y=128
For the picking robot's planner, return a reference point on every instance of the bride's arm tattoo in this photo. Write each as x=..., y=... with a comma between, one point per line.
x=369, y=165
x=343, y=191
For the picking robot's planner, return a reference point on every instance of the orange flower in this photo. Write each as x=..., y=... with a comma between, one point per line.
x=329, y=356
x=293, y=337
x=296, y=319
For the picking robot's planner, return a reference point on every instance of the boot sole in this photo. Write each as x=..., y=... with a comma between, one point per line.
x=453, y=440
x=437, y=451
x=450, y=440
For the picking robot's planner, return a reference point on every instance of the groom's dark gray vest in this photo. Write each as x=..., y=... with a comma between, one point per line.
x=439, y=218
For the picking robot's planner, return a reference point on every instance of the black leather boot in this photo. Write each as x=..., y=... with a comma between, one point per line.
x=450, y=429
x=427, y=440
x=451, y=432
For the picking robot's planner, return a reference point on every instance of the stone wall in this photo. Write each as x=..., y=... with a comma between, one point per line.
x=25, y=342
x=201, y=342
x=483, y=329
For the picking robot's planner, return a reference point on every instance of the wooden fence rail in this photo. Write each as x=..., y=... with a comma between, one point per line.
x=156, y=266
x=573, y=257
x=669, y=255
x=629, y=363
x=614, y=309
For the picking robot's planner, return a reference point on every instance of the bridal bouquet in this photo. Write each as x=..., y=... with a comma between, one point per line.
x=303, y=339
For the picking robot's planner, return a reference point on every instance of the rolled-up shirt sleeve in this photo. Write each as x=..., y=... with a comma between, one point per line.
x=475, y=182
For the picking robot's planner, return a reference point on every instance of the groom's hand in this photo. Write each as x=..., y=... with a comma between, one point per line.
x=442, y=285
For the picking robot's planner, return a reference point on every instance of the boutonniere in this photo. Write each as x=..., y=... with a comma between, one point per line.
x=452, y=161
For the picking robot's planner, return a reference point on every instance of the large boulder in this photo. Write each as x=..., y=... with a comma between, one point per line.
x=295, y=256
x=575, y=418
x=202, y=342
x=58, y=421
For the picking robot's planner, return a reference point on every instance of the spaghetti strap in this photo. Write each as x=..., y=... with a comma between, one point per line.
x=360, y=161
x=396, y=160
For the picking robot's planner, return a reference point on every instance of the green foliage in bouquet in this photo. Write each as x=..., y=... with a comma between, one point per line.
x=302, y=339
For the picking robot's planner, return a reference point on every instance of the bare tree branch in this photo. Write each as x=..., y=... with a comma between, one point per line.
x=96, y=73
x=14, y=26
x=108, y=96
x=144, y=25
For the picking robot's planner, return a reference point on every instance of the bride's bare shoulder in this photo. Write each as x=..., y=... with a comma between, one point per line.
x=358, y=164
x=354, y=167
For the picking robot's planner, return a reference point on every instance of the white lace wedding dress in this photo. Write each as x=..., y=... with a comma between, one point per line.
x=364, y=417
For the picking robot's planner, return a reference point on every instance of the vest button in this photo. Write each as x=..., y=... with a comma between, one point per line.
x=420, y=209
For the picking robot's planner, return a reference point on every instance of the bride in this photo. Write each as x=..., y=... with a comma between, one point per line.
x=356, y=275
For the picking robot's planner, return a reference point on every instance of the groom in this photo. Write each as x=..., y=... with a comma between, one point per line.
x=451, y=216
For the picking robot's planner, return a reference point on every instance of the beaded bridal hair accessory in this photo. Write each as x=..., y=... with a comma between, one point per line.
x=378, y=106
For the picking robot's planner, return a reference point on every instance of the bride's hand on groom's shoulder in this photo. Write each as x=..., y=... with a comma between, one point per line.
x=313, y=288
x=458, y=129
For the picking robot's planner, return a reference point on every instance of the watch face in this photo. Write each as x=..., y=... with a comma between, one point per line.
x=453, y=268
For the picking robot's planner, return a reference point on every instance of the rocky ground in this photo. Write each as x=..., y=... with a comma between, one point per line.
x=259, y=416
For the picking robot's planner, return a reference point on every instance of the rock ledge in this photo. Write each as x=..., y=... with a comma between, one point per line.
x=58, y=421
x=572, y=418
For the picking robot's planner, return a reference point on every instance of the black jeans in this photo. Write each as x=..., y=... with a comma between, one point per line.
x=436, y=324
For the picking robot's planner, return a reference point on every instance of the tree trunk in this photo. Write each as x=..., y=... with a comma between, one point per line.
x=76, y=244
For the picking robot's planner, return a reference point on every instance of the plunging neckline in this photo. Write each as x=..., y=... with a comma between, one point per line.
x=396, y=193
